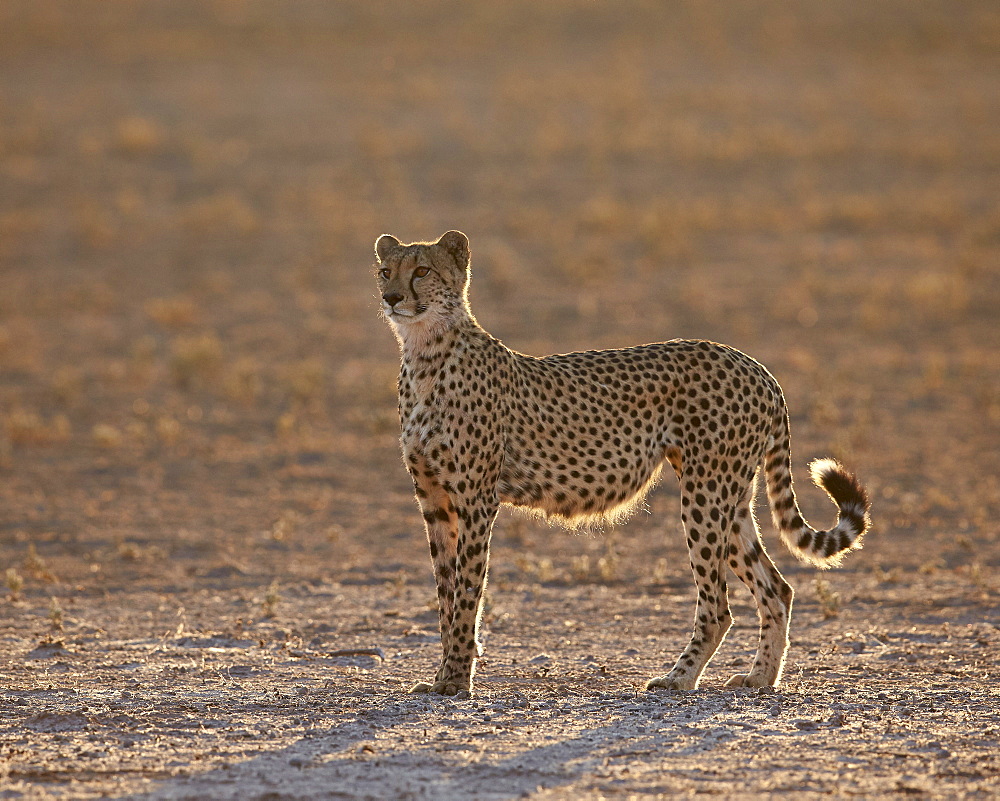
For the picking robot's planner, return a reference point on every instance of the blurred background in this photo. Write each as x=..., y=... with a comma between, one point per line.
x=196, y=388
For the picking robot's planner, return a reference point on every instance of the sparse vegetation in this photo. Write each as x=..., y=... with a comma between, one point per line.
x=243, y=381
x=284, y=526
x=174, y=312
x=129, y=551
x=305, y=379
x=15, y=583
x=195, y=358
x=106, y=436
x=829, y=600
x=55, y=615
x=30, y=427
x=37, y=566
x=269, y=606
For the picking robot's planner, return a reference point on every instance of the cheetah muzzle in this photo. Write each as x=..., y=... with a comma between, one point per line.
x=581, y=437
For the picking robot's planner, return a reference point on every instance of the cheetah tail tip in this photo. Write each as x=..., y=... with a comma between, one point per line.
x=841, y=485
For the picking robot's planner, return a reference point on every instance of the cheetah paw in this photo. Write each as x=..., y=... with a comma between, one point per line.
x=446, y=687
x=748, y=680
x=668, y=682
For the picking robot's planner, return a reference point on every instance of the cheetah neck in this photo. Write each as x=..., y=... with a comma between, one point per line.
x=431, y=339
x=426, y=348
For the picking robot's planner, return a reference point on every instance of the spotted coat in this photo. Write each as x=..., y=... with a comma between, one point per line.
x=581, y=437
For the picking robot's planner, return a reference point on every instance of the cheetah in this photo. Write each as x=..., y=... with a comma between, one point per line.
x=581, y=438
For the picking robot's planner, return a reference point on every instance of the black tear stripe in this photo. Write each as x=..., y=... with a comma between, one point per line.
x=413, y=288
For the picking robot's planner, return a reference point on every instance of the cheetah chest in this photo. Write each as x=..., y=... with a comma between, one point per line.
x=422, y=425
x=453, y=422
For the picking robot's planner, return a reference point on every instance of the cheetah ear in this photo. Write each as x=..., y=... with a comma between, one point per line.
x=384, y=244
x=457, y=244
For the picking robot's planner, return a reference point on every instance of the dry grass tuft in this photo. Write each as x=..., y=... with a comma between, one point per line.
x=269, y=606
x=15, y=584
x=173, y=312
x=29, y=427
x=68, y=385
x=195, y=360
x=139, y=136
x=306, y=379
x=37, y=566
x=55, y=615
x=243, y=381
x=829, y=600
x=225, y=211
x=107, y=436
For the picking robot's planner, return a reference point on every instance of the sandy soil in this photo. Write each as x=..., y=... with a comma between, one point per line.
x=215, y=580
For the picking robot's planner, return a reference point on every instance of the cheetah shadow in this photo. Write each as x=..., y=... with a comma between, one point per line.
x=444, y=749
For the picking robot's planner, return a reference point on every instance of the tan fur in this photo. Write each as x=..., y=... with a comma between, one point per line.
x=581, y=437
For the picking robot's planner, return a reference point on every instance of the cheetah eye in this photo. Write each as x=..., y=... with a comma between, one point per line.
x=384, y=273
x=420, y=272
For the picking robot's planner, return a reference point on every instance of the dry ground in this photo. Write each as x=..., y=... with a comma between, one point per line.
x=216, y=584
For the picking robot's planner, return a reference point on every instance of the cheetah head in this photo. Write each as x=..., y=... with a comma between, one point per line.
x=425, y=284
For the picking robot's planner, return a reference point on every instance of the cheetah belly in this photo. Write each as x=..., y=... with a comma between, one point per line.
x=578, y=484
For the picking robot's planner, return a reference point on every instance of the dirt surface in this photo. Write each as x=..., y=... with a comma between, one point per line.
x=216, y=583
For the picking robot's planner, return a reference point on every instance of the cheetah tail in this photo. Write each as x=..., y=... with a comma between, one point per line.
x=821, y=548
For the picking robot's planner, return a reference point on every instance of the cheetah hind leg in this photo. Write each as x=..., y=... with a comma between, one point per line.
x=448, y=687
x=770, y=591
x=444, y=684
x=705, y=517
x=712, y=622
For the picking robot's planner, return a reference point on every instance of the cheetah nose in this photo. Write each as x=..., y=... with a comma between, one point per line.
x=392, y=298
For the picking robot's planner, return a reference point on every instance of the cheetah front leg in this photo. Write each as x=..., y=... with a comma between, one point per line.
x=464, y=577
x=441, y=523
x=476, y=516
x=459, y=527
